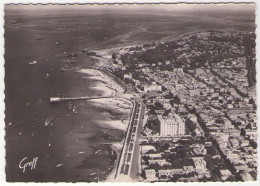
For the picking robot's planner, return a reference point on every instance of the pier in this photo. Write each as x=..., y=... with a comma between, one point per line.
x=58, y=99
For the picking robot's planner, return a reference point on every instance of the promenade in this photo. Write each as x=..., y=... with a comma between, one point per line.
x=128, y=166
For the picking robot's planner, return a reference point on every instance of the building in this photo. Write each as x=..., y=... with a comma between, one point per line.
x=199, y=163
x=171, y=126
x=128, y=76
x=194, y=92
x=169, y=172
x=160, y=162
x=247, y=177
x=152, y=88
x=224, y=173
x=147, y=148
x=150, y=174
x=199, y=71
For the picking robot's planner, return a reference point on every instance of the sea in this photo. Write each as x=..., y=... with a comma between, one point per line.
x=68, y=147
x=67, y=143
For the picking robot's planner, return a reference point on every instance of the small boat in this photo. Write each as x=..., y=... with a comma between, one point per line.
x=38, y=38
x=82, y=152
x=49, y=119
x=92, y=174
x=10, y=123
x=47, y=75
x=97, y=151
x=49, y=145
x=33, y=63
x=20, y=133
x=59, y=165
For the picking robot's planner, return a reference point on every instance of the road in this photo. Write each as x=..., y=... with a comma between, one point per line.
x=136, y=163
x=129, y=164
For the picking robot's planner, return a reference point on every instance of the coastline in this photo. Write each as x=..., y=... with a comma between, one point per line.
x=111, y=108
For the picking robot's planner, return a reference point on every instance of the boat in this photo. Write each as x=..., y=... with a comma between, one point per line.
x=97, y=151
x=59, y=165
x=38, y=38
x=33, y=63
x=47, y=122
x=92, y=174
x=82, y=152
x=47, y=75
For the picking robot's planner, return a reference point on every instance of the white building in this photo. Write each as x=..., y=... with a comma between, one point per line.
x=150, y=174
x=146, y=148
x=129, y=76
x=199, y=163
x=224, y=173
x=152, y=88
x=171, y=126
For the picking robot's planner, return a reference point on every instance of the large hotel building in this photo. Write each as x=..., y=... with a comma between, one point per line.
x=171, y=126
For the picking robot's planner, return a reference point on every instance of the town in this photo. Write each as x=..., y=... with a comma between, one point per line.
x=199, y=97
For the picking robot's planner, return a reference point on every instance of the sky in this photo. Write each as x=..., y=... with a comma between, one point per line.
x=167, y=7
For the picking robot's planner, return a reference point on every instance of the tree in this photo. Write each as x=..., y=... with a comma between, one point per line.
x=167, y=112
x=158, y=105
x=172, y=102
x=164, y=146
x=193, y=134
x=191, y=125
x=177, y=100
x=169, y=96
x=155, y=166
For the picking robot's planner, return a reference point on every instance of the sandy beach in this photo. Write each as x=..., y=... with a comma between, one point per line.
x=116, y=110
x=107, y=82
x=117, y=148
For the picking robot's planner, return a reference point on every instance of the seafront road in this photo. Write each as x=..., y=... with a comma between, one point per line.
x=129, y=161
x=135, y=168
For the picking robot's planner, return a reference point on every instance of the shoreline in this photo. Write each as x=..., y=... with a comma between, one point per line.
x=116, y=105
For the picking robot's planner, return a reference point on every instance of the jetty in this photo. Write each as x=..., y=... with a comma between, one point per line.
x=58, y=99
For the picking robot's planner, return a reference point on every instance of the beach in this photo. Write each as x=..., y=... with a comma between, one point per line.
x=115, y=110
